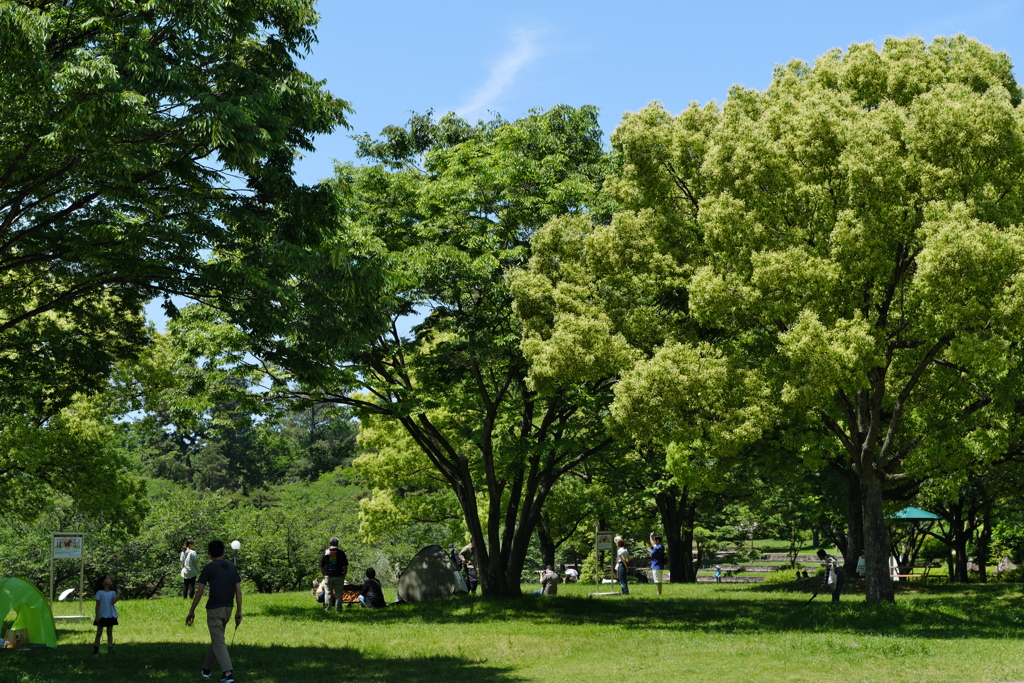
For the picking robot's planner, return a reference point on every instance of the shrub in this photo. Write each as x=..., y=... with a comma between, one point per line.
x=787, y=575
x=1012, y=576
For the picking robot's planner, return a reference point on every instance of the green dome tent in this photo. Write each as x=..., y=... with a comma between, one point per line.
x=30, y=606
x=430, y=575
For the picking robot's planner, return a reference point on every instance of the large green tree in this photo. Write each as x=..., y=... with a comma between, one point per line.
x=843, y=246
x=146, y=148
x=452, y=207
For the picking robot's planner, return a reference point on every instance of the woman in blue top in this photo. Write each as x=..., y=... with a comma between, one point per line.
x=657, y=560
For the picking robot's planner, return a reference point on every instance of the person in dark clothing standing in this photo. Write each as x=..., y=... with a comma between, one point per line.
x=454, y=557
x=334, y=567
x=835, y=574
x=371, y=594
x=225, y=588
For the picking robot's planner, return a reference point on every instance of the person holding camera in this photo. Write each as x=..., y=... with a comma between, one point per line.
x=658, y=560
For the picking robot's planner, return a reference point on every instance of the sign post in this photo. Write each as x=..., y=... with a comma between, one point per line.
x=602, y=541
x=68, y=545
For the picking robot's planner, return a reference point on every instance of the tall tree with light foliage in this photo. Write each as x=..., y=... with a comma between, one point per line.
x=835, y=249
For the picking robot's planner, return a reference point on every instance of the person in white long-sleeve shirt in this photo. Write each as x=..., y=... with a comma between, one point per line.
x=189, y=559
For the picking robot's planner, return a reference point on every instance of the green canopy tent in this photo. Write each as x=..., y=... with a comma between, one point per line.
x=31, y=609
x=911, y=526
x=912, y=514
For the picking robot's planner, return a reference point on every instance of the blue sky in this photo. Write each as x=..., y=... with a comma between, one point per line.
x=392, y=58
x=389, y=59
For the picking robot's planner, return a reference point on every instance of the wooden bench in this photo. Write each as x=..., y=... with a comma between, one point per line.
x=923, y=575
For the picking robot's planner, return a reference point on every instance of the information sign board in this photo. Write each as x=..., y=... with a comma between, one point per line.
x=67, y=545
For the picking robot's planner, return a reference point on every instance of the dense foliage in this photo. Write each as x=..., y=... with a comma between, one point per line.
x=839, y=253
x=146, y=148
x=793, y=312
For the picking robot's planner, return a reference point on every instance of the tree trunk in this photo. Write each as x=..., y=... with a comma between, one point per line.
x=854, y=522
x=984, y=544
x=547, y=545
x=677, y=515
x=491, y=570
x=878, y=583
x=961, y=537
x=687, y=549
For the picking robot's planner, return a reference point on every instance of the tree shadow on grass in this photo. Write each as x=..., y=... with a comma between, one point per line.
x=975, y=612
x=273, y=663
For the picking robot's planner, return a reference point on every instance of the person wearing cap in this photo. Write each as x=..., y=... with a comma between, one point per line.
x=549, y=581
x=334, y=567
x=835, y=575
x=468, y=558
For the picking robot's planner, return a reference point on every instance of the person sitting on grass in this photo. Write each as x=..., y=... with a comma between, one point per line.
x=371, y=595
x=319, y=591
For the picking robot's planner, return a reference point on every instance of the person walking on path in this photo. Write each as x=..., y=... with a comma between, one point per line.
x=621, y=564
x=189, y=568
x=334, y=567
x=225, y=587
x=657, y=560
x=835, y=574
x=106, y=613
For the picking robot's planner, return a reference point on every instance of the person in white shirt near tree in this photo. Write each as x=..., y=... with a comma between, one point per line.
x=621, y=563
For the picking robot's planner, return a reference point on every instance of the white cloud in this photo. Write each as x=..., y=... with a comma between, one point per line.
x=525, y=49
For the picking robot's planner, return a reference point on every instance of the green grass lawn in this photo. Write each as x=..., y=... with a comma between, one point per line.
x=698, y=632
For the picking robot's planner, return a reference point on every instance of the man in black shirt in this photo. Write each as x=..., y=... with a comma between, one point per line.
x=371, y=594
x=225, y=587
x=334, y=567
